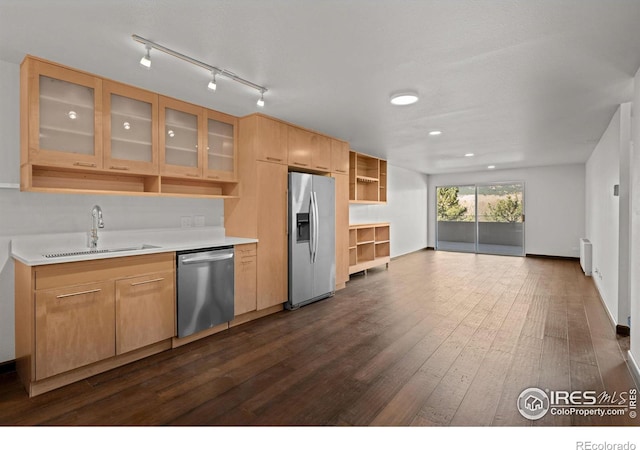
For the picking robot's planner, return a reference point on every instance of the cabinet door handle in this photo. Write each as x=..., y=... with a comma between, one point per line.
x=341, y=170
x=119, y=167
x=155, y=280
x=84, y=164
x=213, y=177
x=78, y=293
x=191, y=175
x=270, y=158
x=322, y=167
x=300, y=164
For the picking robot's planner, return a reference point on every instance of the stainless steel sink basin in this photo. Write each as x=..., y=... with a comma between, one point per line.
x=99, y=251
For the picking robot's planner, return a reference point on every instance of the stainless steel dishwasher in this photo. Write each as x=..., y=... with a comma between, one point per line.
x=205, y=281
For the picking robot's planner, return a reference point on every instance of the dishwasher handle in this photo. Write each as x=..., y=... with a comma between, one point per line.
x=203, y=259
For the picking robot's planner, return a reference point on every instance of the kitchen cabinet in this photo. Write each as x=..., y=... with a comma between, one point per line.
x=76, y=319
x=60, y=116
x=81, y=133
x=265, y=138
x=245, y=279
x=181, y=139
x=145, y=310
x=220, y=162
x=130, y=129
x=367, y=179
x=339, y=157
x=308, y=150
x=74, y=326
x=342, y=229
x=369, y=246
x=272, y=269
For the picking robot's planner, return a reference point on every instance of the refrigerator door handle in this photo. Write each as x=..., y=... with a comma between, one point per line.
x=316, y=218
x=312, y=224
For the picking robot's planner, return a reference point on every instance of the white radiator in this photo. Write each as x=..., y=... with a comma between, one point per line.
x=585, y=256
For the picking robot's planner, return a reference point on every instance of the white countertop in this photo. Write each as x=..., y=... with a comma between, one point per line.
x=30, y=249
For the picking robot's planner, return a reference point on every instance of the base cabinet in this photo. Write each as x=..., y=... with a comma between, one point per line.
x=245, y=279
x=74, y=320
x=74, y=327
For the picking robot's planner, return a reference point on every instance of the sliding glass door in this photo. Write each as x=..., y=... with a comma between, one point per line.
x=481, y=218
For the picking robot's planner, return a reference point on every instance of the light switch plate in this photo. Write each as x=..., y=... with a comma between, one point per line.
x=185, y=222
x=199, y=221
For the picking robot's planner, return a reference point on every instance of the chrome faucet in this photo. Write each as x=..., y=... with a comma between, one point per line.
x=96, y=222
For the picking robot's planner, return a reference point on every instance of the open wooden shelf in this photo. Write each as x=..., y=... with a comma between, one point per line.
x=369, y=246
x=367, y=179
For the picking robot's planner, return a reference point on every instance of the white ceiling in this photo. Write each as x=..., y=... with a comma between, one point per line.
x=519, y=83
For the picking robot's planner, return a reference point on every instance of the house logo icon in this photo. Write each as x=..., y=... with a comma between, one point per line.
x=533, y=403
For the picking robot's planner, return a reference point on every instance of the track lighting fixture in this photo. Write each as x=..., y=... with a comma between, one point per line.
x=146, y=59
x=212, y=84
x=215, y=71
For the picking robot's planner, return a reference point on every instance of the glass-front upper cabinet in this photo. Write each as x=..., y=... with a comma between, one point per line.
x=180, y=139
x=220, y=160
x=130, y=129
x=62, y=108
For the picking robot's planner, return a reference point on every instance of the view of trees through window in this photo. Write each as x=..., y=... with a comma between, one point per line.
x=495, y=203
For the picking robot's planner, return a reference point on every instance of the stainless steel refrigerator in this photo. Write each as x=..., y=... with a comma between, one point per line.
x=312, y=240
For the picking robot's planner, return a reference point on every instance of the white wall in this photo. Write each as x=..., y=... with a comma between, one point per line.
x=28, y=213
x=634, y=271
x=405, y=210
x=553, y=205
x=602, y=213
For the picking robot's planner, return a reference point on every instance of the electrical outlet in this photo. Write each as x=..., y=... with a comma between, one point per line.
x=185, y=222
x=198, y=221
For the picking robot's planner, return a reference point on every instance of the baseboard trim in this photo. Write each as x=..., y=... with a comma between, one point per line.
x=565, y=258
x=7, y=367
x=633, y=367
x=623, y=330
x=430, y=248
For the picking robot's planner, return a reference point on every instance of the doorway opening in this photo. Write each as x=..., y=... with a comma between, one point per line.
x=481, y=218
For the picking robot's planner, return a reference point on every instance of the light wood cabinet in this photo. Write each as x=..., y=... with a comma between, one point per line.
x=81, y=133
x=300, y=147
x=266, y=138
x=130, y=129
x=220, y=161
x=145, y=310
x=74, y=320
x=272, y=271
x=367, y=179
x=74, y=326
x=339, y=157
x=60, y=116
x=369, y=246
x=342, y=229
x=321, y=154
x=245, y=279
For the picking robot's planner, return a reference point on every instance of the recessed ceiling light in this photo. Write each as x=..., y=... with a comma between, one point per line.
x=491, y=167
x=435, y=133
x=404, y=98
x=468, y=155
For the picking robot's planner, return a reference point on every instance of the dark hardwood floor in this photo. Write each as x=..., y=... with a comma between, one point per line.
x=437, y=339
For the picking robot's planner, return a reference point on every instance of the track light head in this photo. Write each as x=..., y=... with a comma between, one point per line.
x=212, y=84
x=260, y=101
x=146, y=59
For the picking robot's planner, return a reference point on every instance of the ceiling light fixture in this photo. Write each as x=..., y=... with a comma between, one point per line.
x=72, y=115
x=145, y=61
x=260, y=101
x=404, y=98
x=212, y=84
x=435, y=133
x=491, y=167
x=212, y=69
x=468, y=155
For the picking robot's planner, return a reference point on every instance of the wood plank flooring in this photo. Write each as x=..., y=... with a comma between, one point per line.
x=438, y=339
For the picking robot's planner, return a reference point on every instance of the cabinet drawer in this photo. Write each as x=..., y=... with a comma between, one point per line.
x=70, y=274
x=245, y=250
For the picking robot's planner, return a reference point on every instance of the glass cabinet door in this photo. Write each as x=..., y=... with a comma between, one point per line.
x=130, y=129
x=179, y=138
x=221, y=149
x=65, y=103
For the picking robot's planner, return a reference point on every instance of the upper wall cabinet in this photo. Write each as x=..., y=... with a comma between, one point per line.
x=82, y=133
x=61, y=124
x=367, y=179
x=221, y=162
x=130, y=129
x=339, y=157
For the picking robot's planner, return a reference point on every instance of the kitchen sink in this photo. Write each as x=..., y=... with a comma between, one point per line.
x=100, y=251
